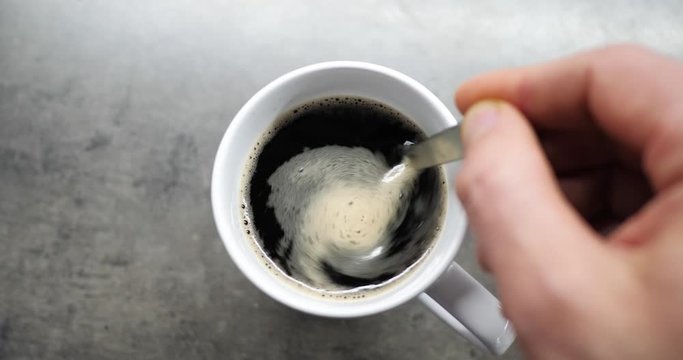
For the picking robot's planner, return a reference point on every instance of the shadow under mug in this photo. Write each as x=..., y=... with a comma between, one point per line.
x=441, y=284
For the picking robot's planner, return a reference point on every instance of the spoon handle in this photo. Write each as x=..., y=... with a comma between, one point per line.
x=440, y=148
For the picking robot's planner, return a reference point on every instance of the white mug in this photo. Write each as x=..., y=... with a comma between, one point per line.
x=442, y=285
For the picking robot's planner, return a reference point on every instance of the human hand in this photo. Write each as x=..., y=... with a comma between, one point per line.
x=573, y=183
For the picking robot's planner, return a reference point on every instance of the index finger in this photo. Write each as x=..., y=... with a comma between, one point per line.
x=627, y=91
x=630, y=93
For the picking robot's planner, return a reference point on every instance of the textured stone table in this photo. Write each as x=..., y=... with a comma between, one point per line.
x=110, y=113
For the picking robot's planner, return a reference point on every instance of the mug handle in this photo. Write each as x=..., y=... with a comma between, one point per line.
x=464, y=304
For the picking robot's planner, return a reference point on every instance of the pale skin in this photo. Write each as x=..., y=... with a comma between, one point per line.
x=573, y=184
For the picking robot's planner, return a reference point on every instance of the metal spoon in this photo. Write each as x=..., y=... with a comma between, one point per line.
x=440, y=148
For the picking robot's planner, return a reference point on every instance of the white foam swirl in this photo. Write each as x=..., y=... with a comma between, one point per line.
x=337, y=200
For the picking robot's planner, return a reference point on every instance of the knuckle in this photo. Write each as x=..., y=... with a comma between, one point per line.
x=622, y=55
x=525, y=93
x=621, y=51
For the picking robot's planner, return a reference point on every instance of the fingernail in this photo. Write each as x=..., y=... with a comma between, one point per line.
x=479, y=119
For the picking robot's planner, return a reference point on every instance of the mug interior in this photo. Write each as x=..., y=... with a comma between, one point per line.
x=299, y=86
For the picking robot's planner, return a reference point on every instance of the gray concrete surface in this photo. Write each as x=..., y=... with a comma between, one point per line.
x=110, y=113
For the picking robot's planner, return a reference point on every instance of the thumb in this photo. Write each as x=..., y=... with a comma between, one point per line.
x=521, y=219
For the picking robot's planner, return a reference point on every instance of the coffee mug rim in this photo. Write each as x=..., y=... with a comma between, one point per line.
x=227, y=232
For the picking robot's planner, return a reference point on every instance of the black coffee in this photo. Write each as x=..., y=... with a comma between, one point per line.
x=349, y=122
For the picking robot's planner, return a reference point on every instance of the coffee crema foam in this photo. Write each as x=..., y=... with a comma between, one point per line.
x=337, y=200
x=300, y=209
